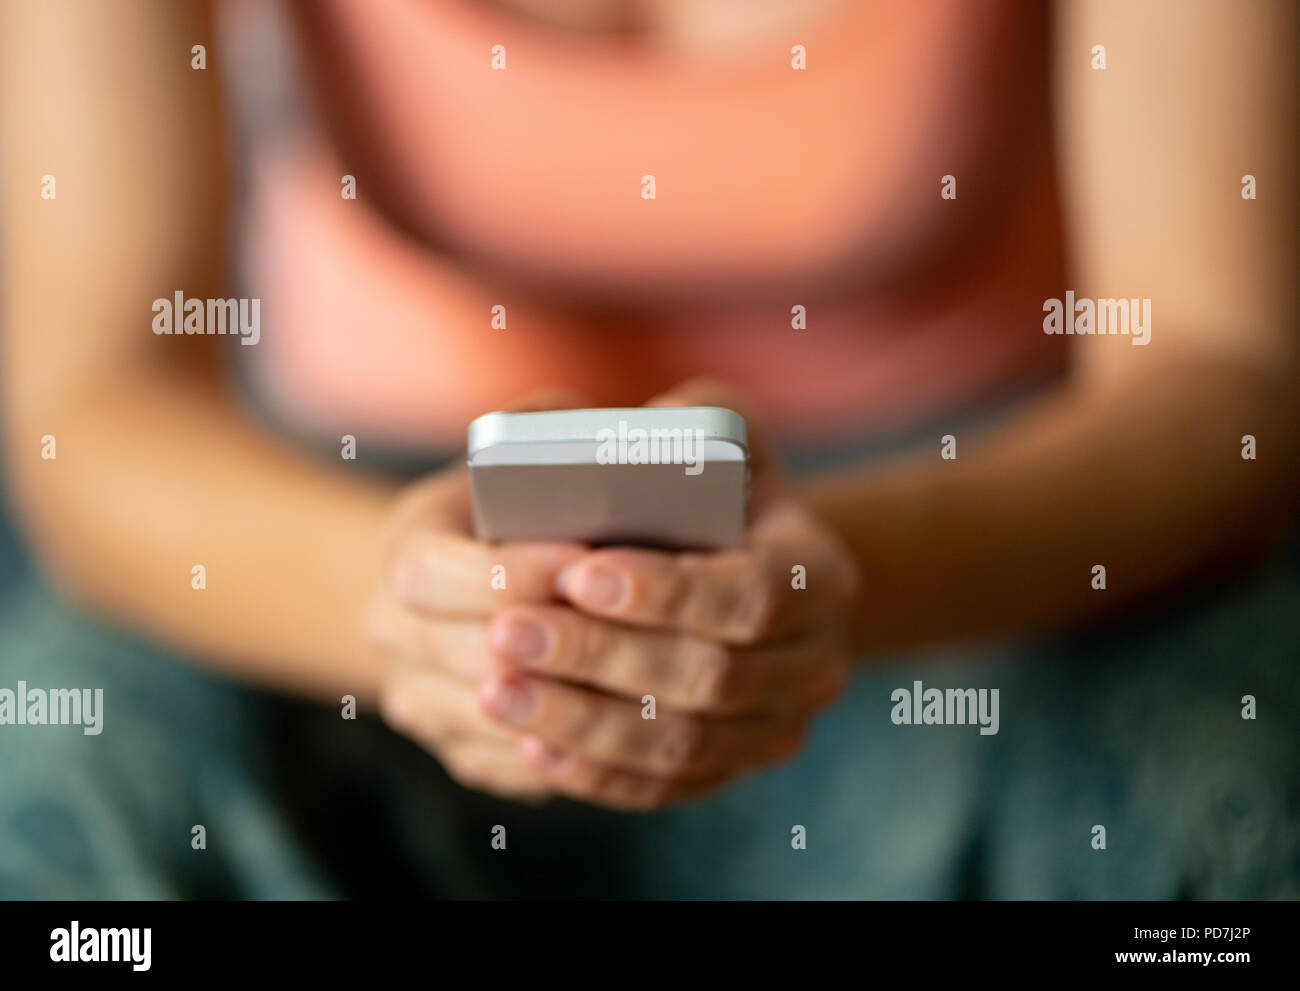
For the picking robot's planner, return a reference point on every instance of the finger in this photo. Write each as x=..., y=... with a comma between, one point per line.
x=681, y=671
x=435, y=710
x=457, y=648
x=590, y=781
x=789, y=536
x=440, y=572
x=739, y=596
x=615, y=731
x=711, y=392
x=452, y=485
x=439, y=567
x=500, y=770
x=549, y=397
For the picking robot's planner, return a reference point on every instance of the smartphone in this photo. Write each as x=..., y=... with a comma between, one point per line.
x=673, y=477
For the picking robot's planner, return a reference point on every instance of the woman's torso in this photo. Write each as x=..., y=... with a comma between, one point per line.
x=775, y=187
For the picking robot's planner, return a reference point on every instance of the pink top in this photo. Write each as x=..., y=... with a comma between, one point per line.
x=775, y=187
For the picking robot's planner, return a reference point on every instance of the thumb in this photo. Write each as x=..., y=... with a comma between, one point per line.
x=549, y=398
x=713, y=392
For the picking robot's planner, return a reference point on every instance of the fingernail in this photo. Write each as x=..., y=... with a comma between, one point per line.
x=524, y=641
x=599, y=588
x=512, y=702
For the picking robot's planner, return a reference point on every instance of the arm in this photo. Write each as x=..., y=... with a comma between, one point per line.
x=156, y=468
x=1136, y=463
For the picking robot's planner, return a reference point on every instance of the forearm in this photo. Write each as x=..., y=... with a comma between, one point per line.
x=156, y=477
x=1146, y=479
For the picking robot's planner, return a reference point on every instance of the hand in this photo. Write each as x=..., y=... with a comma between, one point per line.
x=737, y=658
x=429, y=625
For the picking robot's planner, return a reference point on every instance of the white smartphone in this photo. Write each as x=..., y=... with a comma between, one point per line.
x=674, y=477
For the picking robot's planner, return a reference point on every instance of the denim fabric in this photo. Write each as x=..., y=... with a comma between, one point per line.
x=1137, y=728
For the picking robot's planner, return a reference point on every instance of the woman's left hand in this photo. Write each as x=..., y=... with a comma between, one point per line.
x=738, y=649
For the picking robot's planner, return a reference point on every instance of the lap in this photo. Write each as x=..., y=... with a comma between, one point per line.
x=296, y=802
x=1138, y=729
x=1141, y=730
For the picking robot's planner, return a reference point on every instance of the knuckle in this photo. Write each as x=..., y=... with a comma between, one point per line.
x=760, y=616
x=672, y=600
x=712, y=675
x=603, y=783
x=684, y=743
x=748, y=611
x=576, y=718
x=595, y=642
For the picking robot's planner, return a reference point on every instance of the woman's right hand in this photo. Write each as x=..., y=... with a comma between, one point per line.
x=429, y=624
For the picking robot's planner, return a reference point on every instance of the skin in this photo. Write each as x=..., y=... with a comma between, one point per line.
x=679, y=24
x=322, y=582
x=737, y=662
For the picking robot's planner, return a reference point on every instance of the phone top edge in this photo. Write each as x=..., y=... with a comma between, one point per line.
x=551, y=426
